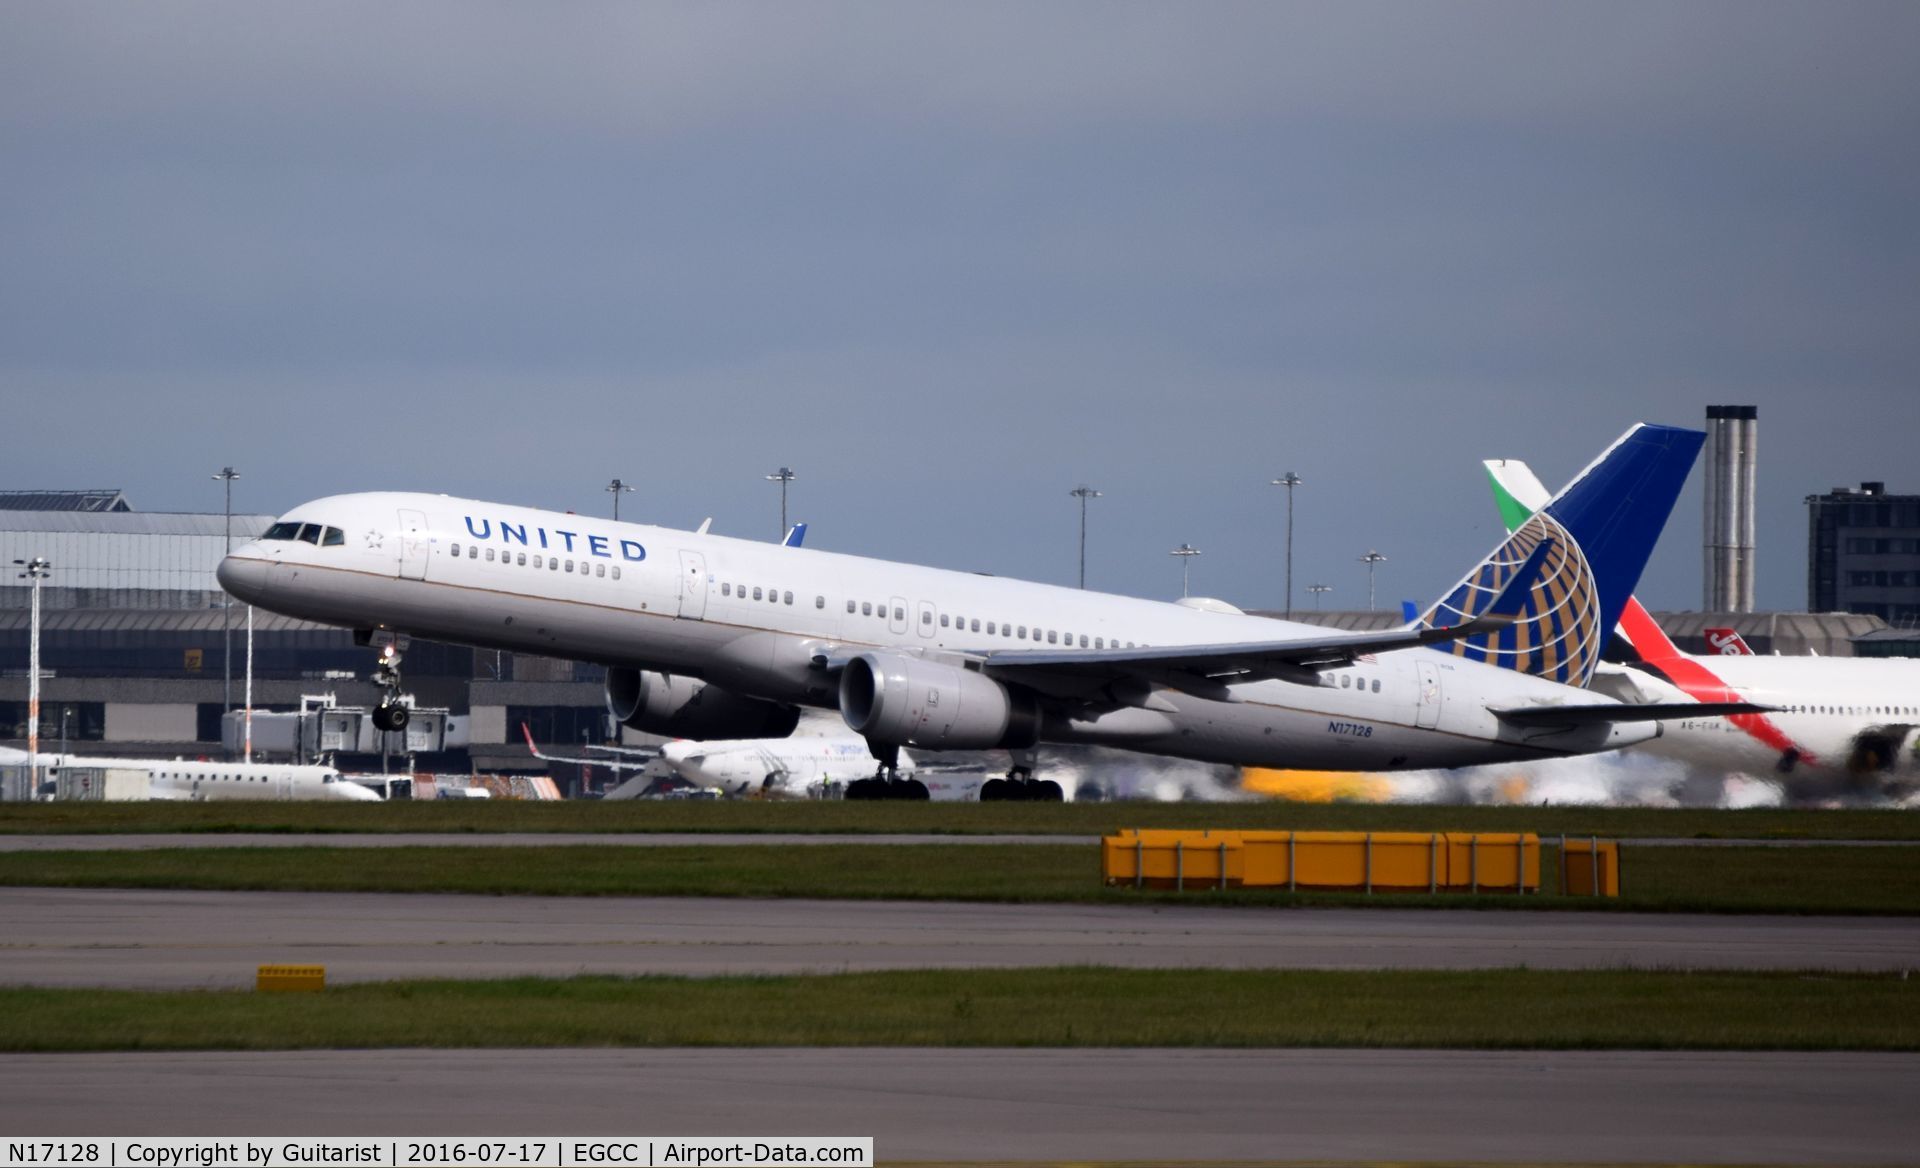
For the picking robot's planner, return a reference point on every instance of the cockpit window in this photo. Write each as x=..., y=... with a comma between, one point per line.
x=334, y=537
x=310, y=533
x=282, y=531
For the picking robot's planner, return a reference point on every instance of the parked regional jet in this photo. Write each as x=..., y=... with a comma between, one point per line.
x=1835, y=723
x=799, y=766
x=179, y=779
x=709, y=637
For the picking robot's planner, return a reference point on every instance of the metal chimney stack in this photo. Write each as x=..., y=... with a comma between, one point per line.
x=1732, y=453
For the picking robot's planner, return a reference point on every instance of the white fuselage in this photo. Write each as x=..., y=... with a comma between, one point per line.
x=793, y=767
x=758, y=619
x=181, y=779
x=1840, y=720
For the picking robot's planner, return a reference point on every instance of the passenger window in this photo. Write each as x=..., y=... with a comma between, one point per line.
x=866, y=607
x=926, y=618
x=456, y=551
x=1376, y=685
x=1083, y=640
x=553, y=563
x=536, y=561
x=1053, y=638
x=899, y=613
x=569, y=567
x=599, y=569
x=334, y=537
x=489, y=555
x=820, y=602
x=616, y=571
x=1346, y=682
x=756, y=593
x=786, y=598
x=1023, y=632
x=473, y=551
x=522, y=561
x=850, y=607
x=989, y=628
x=726, y=590
x=943, y=620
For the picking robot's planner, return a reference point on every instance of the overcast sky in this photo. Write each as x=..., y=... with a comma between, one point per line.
x=949, y=260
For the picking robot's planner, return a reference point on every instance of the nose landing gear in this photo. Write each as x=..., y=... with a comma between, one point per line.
x=389, y=714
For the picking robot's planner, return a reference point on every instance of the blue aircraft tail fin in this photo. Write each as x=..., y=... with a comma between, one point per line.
x=796, y=535
x=1600, y=529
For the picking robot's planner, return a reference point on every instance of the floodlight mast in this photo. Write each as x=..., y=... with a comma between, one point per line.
x=618, y=488
x=783, y=476
x=1083, y=492
x=36, y=571
x=1289, y=481
x=225, y=477
x=1371, y=559
x=1186, y=552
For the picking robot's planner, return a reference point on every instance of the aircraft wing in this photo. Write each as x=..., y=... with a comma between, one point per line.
x=1624, y=712
x=1296, y=659
x=613, y=764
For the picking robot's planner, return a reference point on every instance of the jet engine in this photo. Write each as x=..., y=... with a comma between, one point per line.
x=680, y=707
x=906, y=701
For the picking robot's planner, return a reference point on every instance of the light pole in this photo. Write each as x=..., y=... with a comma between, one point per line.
x=226, y=476
x=36, y=571
x=1083, y=492
x=1318, y=590
x=1289, y=481
x=1186, y=552
x=783, y=476
x=1370, y=559
x=618, y=488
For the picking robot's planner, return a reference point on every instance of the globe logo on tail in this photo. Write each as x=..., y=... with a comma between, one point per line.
x=1558, y=634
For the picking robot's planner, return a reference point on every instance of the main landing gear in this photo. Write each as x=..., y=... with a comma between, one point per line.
x=886, y=782
x=389, y=715
x=1020, y=785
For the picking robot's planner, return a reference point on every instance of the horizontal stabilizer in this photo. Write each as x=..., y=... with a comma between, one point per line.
x=1624, y=712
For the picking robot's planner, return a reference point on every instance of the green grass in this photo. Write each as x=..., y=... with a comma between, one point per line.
x=1516, y=1009
x=1721, y=879
x=947, y=818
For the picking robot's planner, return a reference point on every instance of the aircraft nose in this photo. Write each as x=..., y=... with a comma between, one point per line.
x=243, y=577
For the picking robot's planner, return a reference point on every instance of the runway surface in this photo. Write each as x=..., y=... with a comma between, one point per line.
x=1140, y=1105
x=677, y=839
x=163, y=939
x=664, y=839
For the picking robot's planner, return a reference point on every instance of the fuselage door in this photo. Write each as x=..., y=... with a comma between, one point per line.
x=414, y=546
x=693, y=586
x=1427, y=714
x=897, y=615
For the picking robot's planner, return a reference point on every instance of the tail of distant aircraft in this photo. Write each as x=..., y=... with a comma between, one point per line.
x=1727, y=642
x=1598, y=532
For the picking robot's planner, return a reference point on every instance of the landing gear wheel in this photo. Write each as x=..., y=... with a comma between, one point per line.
x=391, y=717
x=994, y=791
x=859, y=789
x=1047, y=791
x=915, y=790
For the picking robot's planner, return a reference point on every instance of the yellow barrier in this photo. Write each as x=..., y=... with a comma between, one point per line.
x=1589, y=867
x=295, y=978
x=1324, y=860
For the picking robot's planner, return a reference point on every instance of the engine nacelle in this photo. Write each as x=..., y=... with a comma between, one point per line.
x=906, y=701
x=680, y=707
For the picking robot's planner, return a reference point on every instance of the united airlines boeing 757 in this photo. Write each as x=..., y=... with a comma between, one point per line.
x=704, y=636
